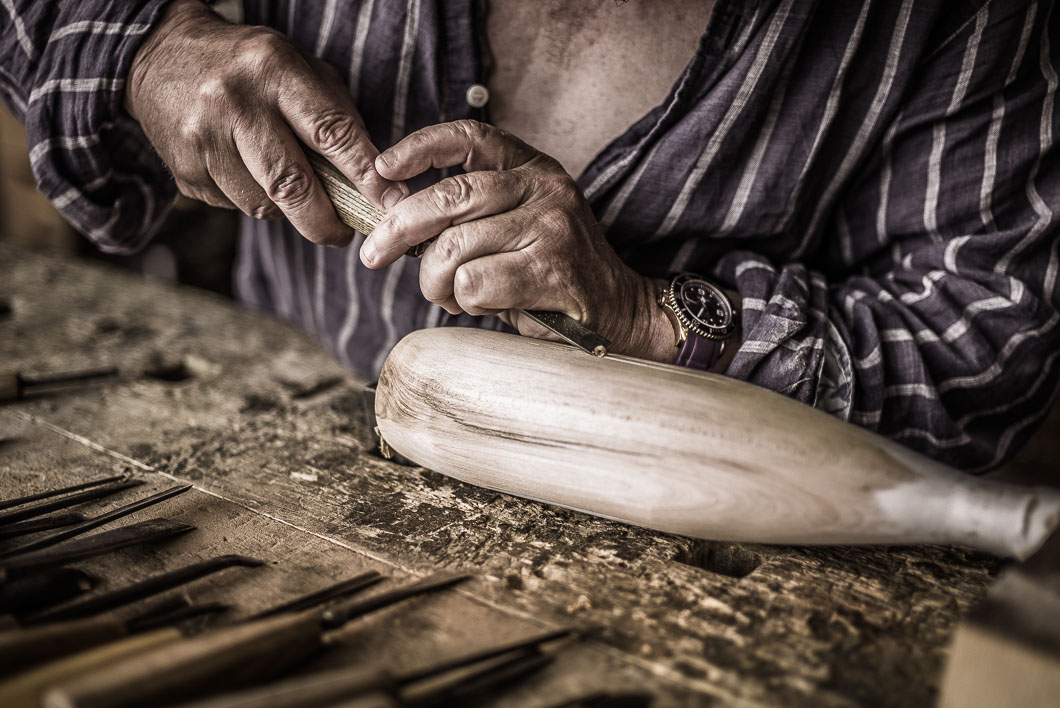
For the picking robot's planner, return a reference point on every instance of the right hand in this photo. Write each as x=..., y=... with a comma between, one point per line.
x=223, y=105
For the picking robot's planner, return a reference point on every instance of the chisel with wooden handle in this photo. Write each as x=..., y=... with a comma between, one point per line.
x=237, y=655
x=357, y=212
x=679, y=450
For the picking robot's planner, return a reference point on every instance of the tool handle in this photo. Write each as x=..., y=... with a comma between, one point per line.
x=678, y=450
x=22, y=648
x=234, y=656
x=26, y=689
x=353, y=208
x=321, y=688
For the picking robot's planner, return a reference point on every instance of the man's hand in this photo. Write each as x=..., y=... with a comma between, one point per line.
x=225, y=107
x=513, y=232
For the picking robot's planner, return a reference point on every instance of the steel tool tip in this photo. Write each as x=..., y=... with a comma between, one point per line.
x=337, y=616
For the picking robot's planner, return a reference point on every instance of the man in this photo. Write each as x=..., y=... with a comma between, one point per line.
x=871, y=185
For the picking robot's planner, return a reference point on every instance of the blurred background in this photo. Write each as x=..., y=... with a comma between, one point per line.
x=195, y=246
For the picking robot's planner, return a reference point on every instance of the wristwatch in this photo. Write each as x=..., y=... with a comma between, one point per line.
x=703, y=318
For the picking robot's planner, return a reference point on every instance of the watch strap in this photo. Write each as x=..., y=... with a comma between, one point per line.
x=699, y=352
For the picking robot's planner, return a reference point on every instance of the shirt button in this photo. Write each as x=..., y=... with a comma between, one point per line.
x=477, y=95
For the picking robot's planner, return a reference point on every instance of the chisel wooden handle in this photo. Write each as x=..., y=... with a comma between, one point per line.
x=26, y=689
x=353, y=208
x=679, y=450
x=21, y=648
x=233, y=657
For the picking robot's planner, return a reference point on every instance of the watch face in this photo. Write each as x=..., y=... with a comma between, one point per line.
x=706, y=308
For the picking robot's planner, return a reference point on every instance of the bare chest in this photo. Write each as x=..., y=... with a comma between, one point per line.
x=569, y=77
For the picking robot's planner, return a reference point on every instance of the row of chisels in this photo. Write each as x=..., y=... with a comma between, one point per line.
x=64, y=642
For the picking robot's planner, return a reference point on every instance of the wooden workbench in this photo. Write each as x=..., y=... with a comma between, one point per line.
x=268, y=426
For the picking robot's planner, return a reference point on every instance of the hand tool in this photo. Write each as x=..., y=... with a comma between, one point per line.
x=44, y=523
x=462, y=690
x=608, y=700
x=143, y=589
x=8, y=503
x=95, y=522
x=315, y=599
x=357, y=212
x=26, y=689
x=237, y=655
x=153, y=620
x=35, y=510
x=44, y=589
x=13, y=385
x=23, y=648
x=97, y=544
x=683, y=451
x=330, y=687
x=146, y=623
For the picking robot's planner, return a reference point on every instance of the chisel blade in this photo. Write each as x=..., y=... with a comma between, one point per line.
x=97, y=544
x=95, y=522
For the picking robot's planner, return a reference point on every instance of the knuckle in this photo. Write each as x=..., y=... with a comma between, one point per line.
x=451, y=244
x=214, y=90
x=264, y=211
x=472, y=129
x=291, y=187
x=466, y=285
x=335, y=131
x=260, y=47
x=452, y=193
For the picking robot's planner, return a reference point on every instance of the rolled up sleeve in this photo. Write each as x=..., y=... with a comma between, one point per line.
x=63, y=68
x=944, y=332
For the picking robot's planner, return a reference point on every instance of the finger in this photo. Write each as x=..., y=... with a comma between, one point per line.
x=454, y=200
x=234, y=179
x=461, y=244
x=321, y=113
x=501, y=281
x=203, y=191
x=473, y=145
x=278, y=165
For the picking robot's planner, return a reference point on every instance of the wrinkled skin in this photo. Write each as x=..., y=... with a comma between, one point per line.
x=225, y=106
x=513, y=232
x=229, y=108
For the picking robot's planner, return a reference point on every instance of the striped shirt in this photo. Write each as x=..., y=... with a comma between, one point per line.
x=873, y=177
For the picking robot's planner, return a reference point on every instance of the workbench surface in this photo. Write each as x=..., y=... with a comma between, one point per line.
x=267, y=425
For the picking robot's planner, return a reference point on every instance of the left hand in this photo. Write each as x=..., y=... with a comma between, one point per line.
x=513, y=232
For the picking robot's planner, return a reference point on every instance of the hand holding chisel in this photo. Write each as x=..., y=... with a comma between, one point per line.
x=356, y=211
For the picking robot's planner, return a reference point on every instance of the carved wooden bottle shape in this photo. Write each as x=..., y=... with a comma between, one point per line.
x=679, y=450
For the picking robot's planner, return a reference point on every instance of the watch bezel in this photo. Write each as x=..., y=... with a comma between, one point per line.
x=683, y=313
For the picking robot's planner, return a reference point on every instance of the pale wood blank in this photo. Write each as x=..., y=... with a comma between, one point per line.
x=680, y=451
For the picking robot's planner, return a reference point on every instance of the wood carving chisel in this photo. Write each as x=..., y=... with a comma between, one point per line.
x=602, y=699
x=23, y=648
x=234, y=656
x=337, y=591
x=26, y=689
x=34, y=510
x=14, y=385
x=40, y=590
x=8, y=503
x=149, y=531
x=95, y=522
x=146, y=623
x=357, y=212
x=145, y=588
x=465, y=689
x=330, y=687
x=43, y=523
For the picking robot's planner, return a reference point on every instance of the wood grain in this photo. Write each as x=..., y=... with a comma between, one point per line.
x=679, y=450
x=353, y=208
